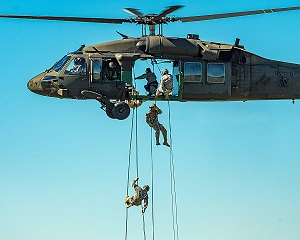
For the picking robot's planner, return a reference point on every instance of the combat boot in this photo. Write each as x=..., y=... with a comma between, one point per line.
x=166, y=144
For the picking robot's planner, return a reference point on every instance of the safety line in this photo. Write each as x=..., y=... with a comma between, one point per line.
x=172, y=173
x=152, y=181
x=128, y=171
x=136, y=149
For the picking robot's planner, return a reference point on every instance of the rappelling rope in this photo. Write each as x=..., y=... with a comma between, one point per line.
x=152, y=181
x=172, y=176
x=136, y=149
x=128, y=171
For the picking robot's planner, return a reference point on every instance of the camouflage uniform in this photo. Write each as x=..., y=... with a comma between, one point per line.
x=140, y=195
x=152, y=120
x=166, y=84
x=151, y=81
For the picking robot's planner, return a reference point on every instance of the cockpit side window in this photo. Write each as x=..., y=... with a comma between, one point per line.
x=77, y=66
x=57, y=67
x=96, y=70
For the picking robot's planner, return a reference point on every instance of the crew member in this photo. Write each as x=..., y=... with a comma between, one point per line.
x=141, y=194
x=78, y=67
x=152, y=120
x=166, y=84
x=152, y=83
x=111, y=72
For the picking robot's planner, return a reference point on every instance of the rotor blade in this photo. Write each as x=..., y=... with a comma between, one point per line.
x=234, y=14
x=166, y=12
x=133, y=11
x=70, y=19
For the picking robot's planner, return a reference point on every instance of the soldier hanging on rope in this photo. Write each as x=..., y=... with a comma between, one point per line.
x=141, y=194
x=152, y=120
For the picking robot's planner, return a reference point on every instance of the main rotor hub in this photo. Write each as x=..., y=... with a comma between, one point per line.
x=152, y=19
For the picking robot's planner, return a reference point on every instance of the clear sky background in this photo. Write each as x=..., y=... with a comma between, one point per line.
x=63, y=163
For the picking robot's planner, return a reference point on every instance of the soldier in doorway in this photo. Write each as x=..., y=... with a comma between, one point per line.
x=152, y=83
x=166, y=84
x=141, y=194
x=152, y=120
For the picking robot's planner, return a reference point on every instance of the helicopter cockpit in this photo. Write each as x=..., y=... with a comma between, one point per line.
x=57, y=67
x=77, y=66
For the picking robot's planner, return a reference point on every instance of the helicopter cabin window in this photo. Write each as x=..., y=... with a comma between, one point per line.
x=192, y=72
x=215, y=73
x=111, y=70
x=77, y=66
x=96, y=70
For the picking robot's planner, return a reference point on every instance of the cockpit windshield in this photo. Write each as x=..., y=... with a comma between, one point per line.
x=60, y=64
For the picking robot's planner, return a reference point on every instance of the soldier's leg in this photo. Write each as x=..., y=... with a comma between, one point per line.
x=147, y=87
x=157, y=132
x=166, y=93
x=164, y=133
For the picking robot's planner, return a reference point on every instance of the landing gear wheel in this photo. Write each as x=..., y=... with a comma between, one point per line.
x=109, y=112
x=121, y=110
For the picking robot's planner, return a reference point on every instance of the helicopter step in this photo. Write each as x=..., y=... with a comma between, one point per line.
x=115, y=110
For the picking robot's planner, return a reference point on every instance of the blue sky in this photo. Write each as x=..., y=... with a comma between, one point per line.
x=64, y=163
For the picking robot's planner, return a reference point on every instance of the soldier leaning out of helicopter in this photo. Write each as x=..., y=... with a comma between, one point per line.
x=141, y=194
x=166, y=84
x=152, y=83
x=152, y=120
x=112, y=72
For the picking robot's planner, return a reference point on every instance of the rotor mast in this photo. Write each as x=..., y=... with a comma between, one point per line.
x=152, y=19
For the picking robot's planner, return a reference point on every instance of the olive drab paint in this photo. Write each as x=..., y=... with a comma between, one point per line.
x=203, y=71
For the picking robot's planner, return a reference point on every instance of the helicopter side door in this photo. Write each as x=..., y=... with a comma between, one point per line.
x=74, y=77
x=206, y=80
x=106, y=80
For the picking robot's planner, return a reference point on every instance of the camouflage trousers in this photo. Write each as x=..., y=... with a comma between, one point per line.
x=159, y=128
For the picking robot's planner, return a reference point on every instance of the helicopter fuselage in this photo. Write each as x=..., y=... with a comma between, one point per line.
x=203, y=71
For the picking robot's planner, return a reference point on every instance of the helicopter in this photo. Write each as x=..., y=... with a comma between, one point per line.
x=202, y=70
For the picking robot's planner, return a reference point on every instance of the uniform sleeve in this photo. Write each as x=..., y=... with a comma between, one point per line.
x=133, y=184
x=141, y=77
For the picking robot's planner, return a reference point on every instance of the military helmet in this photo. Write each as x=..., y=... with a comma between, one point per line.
x=164, y=71
x=152, y=105
x=148, y=70
x=111, y=64
x=146, y=188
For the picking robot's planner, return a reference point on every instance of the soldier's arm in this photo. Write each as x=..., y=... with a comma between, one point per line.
x=159, y=111
x=133, y=184
x=141, y=77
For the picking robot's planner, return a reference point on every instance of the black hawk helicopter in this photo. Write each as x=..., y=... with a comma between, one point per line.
x=203, y=71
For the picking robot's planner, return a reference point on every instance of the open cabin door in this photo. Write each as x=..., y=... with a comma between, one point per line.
x=204, y=80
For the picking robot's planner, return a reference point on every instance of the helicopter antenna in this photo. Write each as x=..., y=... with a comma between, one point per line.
x=123, y=35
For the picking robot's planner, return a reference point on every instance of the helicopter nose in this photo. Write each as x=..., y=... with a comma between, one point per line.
x=35, y=84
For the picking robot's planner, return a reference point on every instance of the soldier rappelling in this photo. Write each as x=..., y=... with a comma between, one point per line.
x=152, y=120
x=141, y=194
